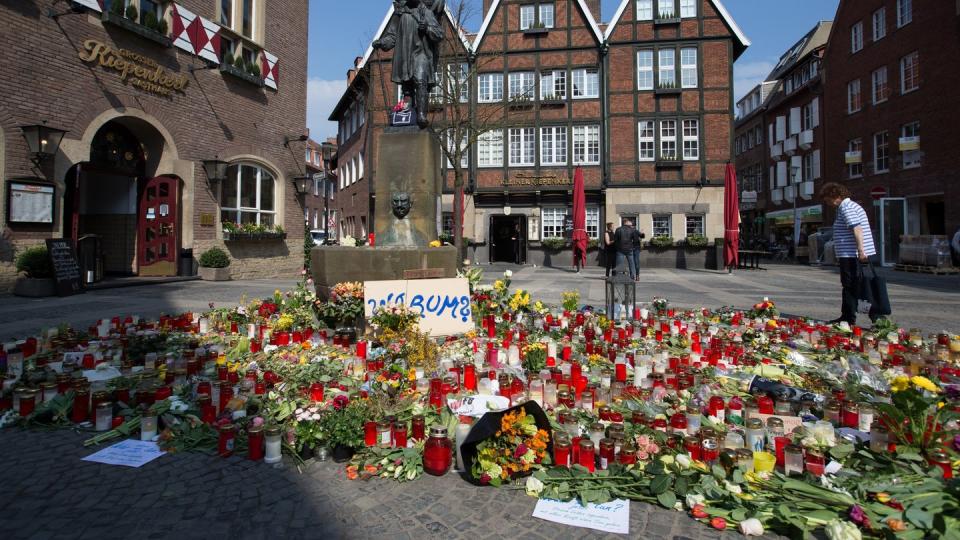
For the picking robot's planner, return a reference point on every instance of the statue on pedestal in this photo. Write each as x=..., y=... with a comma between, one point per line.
x=415, y=32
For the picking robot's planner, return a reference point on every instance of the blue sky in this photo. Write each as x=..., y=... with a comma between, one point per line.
x=341, y=31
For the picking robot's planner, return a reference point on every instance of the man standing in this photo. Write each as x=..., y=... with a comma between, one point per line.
x=625, y=239
x=853, y=243
x=637, y=244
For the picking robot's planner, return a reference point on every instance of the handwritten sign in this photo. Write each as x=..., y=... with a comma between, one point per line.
x=65, y=269
x=790, y=423
x=612, y=517
x=128, y=453
x=443, y=304
x=477, y=406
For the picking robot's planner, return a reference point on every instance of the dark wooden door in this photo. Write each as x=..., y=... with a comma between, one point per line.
x=158, y=222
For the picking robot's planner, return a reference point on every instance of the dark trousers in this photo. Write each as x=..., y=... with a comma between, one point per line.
x=610, y=259
x=850, y=275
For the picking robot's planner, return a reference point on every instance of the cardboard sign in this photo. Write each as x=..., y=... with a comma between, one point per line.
x=612, y=517
x=128, y=453
x=443, y=304
x=65, y=268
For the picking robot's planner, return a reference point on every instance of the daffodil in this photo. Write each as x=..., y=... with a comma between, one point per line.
x=924, y=383
x=900, y=384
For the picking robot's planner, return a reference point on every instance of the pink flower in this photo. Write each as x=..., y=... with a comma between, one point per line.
x=652, y=448
x=642, y=456
x=340, y=402
x=257, y=421
x=521, y=450
x=643, y=440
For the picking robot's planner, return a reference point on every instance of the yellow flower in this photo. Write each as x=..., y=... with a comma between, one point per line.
x=883, y=497
x=924, y=383
x=900, y=384
x=435, y=244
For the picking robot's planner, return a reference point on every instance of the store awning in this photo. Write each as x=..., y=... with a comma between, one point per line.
x=807, y=214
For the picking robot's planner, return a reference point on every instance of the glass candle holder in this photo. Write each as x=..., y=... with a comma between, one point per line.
x=274, y=445
x=438, y=452
x=587, y=454
x=607, y=453
x=793, y=460
x=384, y=435
x=104, y=416
x=400, y=435
x=148, y=427
x=225, y=442
x=561, y=451
x=255, y=438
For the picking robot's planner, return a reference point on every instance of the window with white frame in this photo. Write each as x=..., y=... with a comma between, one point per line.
x=759, y=131
x=586, y=145
x=666, y=9
x=881, y=152
x=904, y=12
x=880, y=88
x=855, y=148
x=553, y=145
x=586, y=83
x=854, y=103
x=553, y=85
x=360, y=165
x=691, y=139
x=879, y=24
x=247, y=195
x=647, y=138
x=661, y=225
x=450, y=137
x=688, y=8
x=644, y=10
x=593, y=222
x=241, y=16
x=910, y=158
x=545, y=11
x=490, y=149
x=536, y=16
x=688, y=67
x=695, y=225
x=667, y=77
x=645, y=69
x=458, y=82
x=808, y=167
x=528, y=14
x=910, y=72
x=521, y=85
x=807, y=114
x=856, y=37
x=551, y=222
x=522, y=146
x=668, y=139
x=490, y=87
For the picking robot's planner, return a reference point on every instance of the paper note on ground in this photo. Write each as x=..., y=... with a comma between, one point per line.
x=613, y=517
x=128, y=453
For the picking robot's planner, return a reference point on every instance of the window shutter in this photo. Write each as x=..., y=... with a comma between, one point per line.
x=773, y=177
x=770, y=138
x=795, y=120
x=781, y=174
x=795, y=161
x=816, y=164
x=815, y=105
x=781, y=128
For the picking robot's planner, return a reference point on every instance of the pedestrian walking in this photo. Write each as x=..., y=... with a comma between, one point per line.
x=609, y=249
x=625, y=239
x=638, y=243
x=853, y=243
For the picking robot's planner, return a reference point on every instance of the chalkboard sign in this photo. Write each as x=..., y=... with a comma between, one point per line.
x=65, y=268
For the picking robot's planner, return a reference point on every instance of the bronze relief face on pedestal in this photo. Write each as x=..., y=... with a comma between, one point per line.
x=401, y=204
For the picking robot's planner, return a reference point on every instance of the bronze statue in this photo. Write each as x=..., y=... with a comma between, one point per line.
x=415, y=32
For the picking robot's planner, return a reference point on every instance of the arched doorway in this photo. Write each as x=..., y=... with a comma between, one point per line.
x=124, y=218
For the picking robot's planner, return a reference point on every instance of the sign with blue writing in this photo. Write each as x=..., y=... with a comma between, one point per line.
x=443, y=304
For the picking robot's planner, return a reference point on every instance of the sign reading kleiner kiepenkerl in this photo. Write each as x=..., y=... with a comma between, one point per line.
x=443, y=304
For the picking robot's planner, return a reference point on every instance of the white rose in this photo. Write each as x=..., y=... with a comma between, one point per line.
x=683, y=460
x=844, y=325
x=508, y=274
x=842, y=530
x=751, y=527
x=534, y=486
x=667, y=459
x=733, y=488
x=695, y=499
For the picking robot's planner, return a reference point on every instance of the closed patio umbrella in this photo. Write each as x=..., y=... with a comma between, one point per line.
x=731, y=219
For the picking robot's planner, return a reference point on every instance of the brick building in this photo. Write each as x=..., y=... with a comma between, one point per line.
x=150, y=97
x=892, y=69
x=780, y=138
x=318, y=159
x=643, y=104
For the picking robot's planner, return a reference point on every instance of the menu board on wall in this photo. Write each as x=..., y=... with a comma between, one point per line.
x=30, y=203
x=66, y=271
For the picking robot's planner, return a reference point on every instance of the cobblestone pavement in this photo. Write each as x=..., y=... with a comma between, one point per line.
x=919, y=300
x=47, y=492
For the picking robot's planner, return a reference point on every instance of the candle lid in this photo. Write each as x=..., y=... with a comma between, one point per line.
x=254, y=430
x=273, y=431
x=438, y=431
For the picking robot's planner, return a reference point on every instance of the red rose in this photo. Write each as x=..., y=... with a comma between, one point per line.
x=718, y=523
x=484, y=479
x=698, y=512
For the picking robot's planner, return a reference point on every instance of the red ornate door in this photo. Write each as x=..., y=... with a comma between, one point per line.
x=158, y=234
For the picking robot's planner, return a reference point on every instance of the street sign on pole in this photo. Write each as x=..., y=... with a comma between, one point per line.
x=879, y=192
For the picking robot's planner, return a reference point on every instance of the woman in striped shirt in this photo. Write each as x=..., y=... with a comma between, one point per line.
x=853, y=243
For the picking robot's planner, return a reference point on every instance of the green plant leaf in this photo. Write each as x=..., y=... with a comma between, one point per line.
x=681, y=486
x=919, y=517
x=660, y=484
x=718, y=472
x=667, y=499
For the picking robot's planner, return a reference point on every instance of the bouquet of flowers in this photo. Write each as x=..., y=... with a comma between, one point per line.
x=534, y=357
x=518, y=446
x=395, y=317
x=660, y=305
x=765, y=309
x=570, y=301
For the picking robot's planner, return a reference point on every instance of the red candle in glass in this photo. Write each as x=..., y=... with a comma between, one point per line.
x=815, y=463
x=400, y=435
x=222, y=373
x=438, y=452
x=436, y=400
x=692, y=446
x=254, y=346
x=561, y=454
x=163, y=393
x=226, y=394
x=587, y=455
x=470, y=377
x=362, y=350
x=417, y=428
x=678, y=423
x=259, y=388
x=208, y=413
x=225, y=443
x=709, y=450
x=255, y=443
x=780, y=444
x=88, y=362
x=370, y=433
x=765, y=405
x=28, y=402
x=316, y=392
x=660, y=424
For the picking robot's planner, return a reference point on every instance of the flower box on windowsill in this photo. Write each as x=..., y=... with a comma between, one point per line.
x=520, y=105
x=669, y=163
x=552, y=102
x=230, y=69
x=667, y=90
x=666, y=20
x=536, y=31
x=253, y=236
x=139, y=29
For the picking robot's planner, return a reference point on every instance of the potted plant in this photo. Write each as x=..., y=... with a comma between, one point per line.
x=554, y=244
x=215, y=265
x=696, y=241
x=342, y=427
x=37, y=279
x=661, y=242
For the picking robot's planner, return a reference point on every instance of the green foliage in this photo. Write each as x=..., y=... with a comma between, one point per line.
x=214, y=258
x=35, y=263
x=239, y=62
x=346, y=426
x=131, y=12
x=697, y=241
x=307, y=247
x=554, y=244
x=150, y=20
x=116, y=7
x=661, y=242
x=253, y=69
x=162, y=26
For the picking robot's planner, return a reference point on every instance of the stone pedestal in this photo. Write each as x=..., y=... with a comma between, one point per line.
x=330, y=265
x=408, y=161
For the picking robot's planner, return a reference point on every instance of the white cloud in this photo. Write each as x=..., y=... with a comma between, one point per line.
x=322, y=97
x=749, y=74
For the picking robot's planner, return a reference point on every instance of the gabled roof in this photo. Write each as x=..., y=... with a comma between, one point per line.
x=811, y=41
x=386, y=20
x=496, y=3
x=717, y=4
